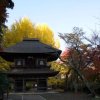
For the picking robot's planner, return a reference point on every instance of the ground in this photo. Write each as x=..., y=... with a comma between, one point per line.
x=50, y=96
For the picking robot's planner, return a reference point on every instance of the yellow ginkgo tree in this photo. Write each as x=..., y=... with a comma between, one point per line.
x=18, y=30
x=24, y=28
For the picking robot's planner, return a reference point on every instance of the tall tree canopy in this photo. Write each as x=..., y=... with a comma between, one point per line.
x=79, y=56
x=24, y=28
x=3, y=13
x=4, y=4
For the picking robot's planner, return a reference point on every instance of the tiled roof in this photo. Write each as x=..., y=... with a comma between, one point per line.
x=30, y=47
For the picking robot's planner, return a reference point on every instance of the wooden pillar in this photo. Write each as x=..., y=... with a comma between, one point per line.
x=18, y=85
x=24, y=85
x=42, y=84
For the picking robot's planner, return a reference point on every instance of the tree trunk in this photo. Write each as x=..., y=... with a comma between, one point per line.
x=66, y=80
x=84, y=81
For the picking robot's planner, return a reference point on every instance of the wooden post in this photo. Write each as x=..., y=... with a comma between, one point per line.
x=24, y=85
x=42, y=84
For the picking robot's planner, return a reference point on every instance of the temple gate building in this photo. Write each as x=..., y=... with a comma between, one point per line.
x=30, y=63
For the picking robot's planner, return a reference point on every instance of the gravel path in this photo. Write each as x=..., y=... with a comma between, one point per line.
x=67, y=96
x=25, y=97
x=50, y=96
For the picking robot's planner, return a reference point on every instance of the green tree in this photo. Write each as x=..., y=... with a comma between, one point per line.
x=4, y=4
x=4, y=84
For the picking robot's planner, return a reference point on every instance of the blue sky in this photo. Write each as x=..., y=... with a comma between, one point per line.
x=60, y=15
